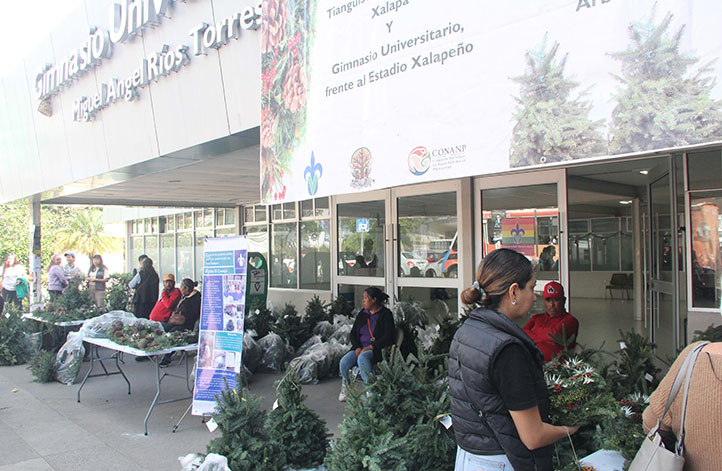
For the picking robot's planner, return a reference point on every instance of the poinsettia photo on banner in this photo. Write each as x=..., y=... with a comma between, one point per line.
x=370, y=94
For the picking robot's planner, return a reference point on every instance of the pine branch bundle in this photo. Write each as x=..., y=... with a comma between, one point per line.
x=316, y=311
x=341, y=306
x=289, y=327
x=396, y=427
x=300, y=431
x=244, y=439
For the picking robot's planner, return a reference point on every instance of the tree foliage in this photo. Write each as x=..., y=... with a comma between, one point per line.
x=244, y=438
x=397, y=426
x=85, y=233
x=300, y=431
x=15, y=219
x=552, y=123
x=664, y=99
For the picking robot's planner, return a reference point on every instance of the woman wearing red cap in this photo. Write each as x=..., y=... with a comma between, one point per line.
x=542, y=326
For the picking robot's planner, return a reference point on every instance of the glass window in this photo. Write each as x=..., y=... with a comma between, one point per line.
x=208, y=217
x=170, y=223
x=167, y=254
x=322, y=207
x=627, y=236
x=249, y=212
x=289, y=210
x=354, y=294
x=283, y=264
x=361, y=238
x=704, y=170
x=136, y=250
x=257, y=239
x=277, y=210
x=261, y=214
x=151, y=248
x=162, y=224
x=439, y=303
x=605, y=242
x=525, y=219
x=229, y=216
x=706, y=242
x=199, y=246
x=226, y=232
x=427, y=236
x=220, y=216
x=307, y=208
x=580, y=243
x=316, y=254
x=184, y=255
x=198, y=218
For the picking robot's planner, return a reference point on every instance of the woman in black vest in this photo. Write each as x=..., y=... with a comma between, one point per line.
x=499, y=401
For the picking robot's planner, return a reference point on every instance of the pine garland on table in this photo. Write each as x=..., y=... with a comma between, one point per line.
x=148, y=338
x=244, y=439
x=300, y=431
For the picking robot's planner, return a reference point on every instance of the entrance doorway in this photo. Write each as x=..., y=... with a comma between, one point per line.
x=525, y=213
x=405, y=241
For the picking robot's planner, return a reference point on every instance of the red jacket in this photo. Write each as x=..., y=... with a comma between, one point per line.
x=541, y=325
x=165, y=305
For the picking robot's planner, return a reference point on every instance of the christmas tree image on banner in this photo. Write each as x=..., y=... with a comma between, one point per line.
x=552, y=123
x=664, y=100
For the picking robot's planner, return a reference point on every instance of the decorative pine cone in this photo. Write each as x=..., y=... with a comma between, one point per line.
x=294, y=87
x=274, y=19
x=268, y=127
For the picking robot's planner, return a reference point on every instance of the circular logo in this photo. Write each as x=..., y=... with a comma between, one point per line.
x=419, y=161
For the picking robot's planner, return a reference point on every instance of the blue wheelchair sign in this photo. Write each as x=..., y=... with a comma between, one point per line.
x=362, y=225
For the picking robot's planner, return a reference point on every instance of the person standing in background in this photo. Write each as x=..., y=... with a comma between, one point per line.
x=56, y=278
x=97, y=277
x=71, y=271
x=12, y=272
x=146, y=284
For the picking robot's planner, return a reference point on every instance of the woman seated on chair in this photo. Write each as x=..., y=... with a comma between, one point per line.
x=372, y=331
x=188, y=310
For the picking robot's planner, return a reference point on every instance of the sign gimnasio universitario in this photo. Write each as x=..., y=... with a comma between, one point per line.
x=127, y=19
x=366, y=94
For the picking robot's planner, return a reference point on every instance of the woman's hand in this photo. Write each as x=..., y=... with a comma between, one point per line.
x=572, y=429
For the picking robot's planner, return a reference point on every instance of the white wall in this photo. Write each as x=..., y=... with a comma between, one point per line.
x=213, y=96
x=585, y=284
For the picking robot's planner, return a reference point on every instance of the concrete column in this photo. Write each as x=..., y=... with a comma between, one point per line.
x=34, y=255
x=638, y=261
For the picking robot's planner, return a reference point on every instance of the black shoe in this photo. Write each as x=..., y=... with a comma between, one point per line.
x=166, y=361
x=141, y=358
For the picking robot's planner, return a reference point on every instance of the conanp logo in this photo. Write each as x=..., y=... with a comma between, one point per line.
x=419, y=161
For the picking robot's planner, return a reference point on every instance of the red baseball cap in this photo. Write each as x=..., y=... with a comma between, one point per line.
x=553, y=290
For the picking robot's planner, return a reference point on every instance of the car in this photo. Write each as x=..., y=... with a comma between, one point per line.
x=410, y=264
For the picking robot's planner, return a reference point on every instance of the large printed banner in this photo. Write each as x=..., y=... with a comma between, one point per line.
x=220, y=342
x=365, y=94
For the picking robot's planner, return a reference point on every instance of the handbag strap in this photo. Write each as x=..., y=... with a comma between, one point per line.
x=677, y=383
x=692, y=357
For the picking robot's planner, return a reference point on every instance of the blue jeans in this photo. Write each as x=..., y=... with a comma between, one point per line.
x=364, y=362
x=466, y=461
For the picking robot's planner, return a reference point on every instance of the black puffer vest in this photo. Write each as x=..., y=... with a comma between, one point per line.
x=471, y=357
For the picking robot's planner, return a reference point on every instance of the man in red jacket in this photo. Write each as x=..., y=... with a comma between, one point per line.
x=541, y=326
x=169, y=298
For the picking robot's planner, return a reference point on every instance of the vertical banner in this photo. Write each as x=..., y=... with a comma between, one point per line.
x=220, y=341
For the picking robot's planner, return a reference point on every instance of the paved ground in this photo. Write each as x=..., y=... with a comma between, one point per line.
x=43, y=427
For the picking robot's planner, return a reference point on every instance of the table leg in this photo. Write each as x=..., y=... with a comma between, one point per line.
x=93, y=357
x=155, y=359
x=117, y=365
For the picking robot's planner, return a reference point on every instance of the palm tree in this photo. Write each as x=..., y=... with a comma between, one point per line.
x=85, y=233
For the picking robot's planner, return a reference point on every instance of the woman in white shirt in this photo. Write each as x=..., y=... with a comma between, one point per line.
x=12, y=271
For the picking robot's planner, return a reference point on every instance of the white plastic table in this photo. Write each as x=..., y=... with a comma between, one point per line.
x=156, y=357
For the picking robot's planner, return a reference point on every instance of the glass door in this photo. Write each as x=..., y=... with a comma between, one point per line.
x=363, y=251
x=429, y=247
x=526, y=213
x=664, y=262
